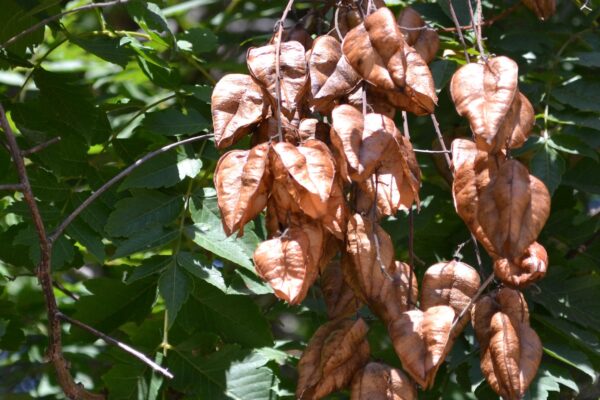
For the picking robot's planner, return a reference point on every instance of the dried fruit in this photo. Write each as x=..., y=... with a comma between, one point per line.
x=381, y=382
x=451, y=284
x=510, y=350
x=293, y=70
x=242, y=180
x=237, y=105
x=289, y=263
x=339, y=297
x=425, y=40
x=525, y=270
x=513, y=208
x=484, y=93
x=335, y=352
x=422, y=341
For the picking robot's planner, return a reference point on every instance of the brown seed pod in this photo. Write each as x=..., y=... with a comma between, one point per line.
x=377, y=101
x=513, y=209
x=379, y=381
x=236, y=105
x=242, y=180
x=531, y=267
x=337, y=350
x=374, y=50
x=510, y=350
x=289, y=263
x=331, y=77
x=339, y=297
x=451, y=284
x=425, y=40
x=484, y=93
x=544, y=9
x=422, y=340
x=370, y=269
x=471, y=176
x=310, y=169
x=293, y=71
x=361, y=141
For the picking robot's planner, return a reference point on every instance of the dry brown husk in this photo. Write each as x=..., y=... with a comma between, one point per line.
x=453, y=284
x=237, y=106
x=337, y=350
x=544, y=9
x=425, y=40
x=293, y=71
x=377, y=381
x=513, y=209
x=377, y=101
x=397, y=180
x=331, y=77
x=521, y=272
x=484, y=93
x=422, y=339
x=307, y=172
x=370, y=269
x=471, y=176
x=289, y=263
x=339, y=297
x=243, y=181
x=510, y=350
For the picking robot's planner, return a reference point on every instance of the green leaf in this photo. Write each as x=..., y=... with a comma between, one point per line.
x=208, y=233
x=197, y=40
x=194, y=265
x=570, y=356
x=172, y=121
x=442, y=71
x=126, y=381
x=579, y=176
x=148, y=15
x=548, y=379
x=149, y=266
x=113, y=303
x=146, y=240
x=164, y=170
x=572, y=145
x=174, y=286
x=583, y=94
x=571, y=298
x=68, y=100
x=236, y=318
x=107, y=48
x=548, y=166
x=230, y=373
x=81, y=232
x=144, y=209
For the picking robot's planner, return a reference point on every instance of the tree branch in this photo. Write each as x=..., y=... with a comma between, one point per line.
x=482, y=288
x=110, y=340
x=72, y=389
x=278, y=39
x=40, y=146
x=61, y=228
x=12, y=187
x=59, y=16
x=459, y=30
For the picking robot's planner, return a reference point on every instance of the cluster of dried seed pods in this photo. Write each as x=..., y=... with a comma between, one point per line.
x=505, y=208
x=327, y=163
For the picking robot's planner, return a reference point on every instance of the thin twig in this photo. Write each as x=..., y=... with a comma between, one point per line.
x=110, y=340
x=54, y=353
x=436, y=126
x=336, y=17
x=278, y=39
x=473, y=300
x=117, y=178
x=40, y=146
x=12, y=187
x=476, y=28
x=411, y=253
x=477, y=253
x=59, y=16
x=489, y=22
x=432, y=151
x=459, y=30
x=405, y=125
x=66, y=291
x=457, y=255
